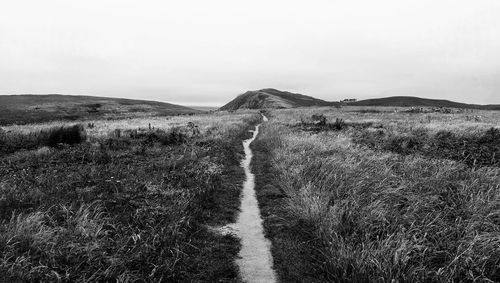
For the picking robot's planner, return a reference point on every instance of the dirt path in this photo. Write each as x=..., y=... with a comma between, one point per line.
x=255, y=260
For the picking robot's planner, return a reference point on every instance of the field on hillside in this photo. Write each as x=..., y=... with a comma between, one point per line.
x=121, y=200
x=25, y=109
x=373, y=194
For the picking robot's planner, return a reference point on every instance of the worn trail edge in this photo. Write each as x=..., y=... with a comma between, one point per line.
x=255, y=260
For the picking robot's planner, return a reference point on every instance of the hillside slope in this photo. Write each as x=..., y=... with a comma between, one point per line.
x=22, y=109
x=273, y=98
x=409, y=101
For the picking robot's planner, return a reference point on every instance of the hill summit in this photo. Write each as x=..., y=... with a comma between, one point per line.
x=273, y=98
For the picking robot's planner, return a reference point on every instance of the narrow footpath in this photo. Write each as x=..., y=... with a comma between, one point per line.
x=254, y=260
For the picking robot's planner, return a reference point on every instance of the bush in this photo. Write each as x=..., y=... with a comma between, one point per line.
x=319, y=119
x=53, y=137
x=63, y=135
x=339, y=124
x=174, y=136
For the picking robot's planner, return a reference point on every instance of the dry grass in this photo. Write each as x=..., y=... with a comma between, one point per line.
x=381, y=216
x=398, y=121
x=53, y=137
x=216, y=122
x=124, y=207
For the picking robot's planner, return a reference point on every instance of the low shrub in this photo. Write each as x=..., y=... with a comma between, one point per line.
x=63, y=135
x=474, y=150
x=53, y=137
x=174, y=136
x=320, y=124
x=407, y=144
x=339, y=124
x=319, y=119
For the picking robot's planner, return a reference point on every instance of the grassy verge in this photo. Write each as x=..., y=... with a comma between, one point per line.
x=295, y=248
x=126, y=207
x=339, y=212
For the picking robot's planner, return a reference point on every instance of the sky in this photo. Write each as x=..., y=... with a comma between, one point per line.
x=199, y=52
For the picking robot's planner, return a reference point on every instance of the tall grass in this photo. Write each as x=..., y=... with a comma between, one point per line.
x=380, y=216
x=125, y=207
x=399, y=122
x=70, y=135
x=476, y=150
x=101, y=128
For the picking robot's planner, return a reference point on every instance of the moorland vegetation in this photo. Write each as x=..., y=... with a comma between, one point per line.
x=358, y=195
x=110, y=201
x=349, y=194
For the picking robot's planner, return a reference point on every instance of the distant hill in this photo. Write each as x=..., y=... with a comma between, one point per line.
x=22, y=109
x=273, y=98
x=409, y=101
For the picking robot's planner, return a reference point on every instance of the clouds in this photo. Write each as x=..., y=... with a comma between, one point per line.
x=209, y=51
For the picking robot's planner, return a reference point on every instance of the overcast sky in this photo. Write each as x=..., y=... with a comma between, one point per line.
x=206, y=52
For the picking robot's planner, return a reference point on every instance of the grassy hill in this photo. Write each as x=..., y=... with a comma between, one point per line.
x=408, y=101
x=22, y=109
x=273, y=98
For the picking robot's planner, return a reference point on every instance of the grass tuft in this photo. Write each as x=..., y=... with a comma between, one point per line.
x=52, y=137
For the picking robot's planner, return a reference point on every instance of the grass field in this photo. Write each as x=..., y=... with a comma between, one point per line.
x=379, y=195
x=121, y=200
x=350, y=194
